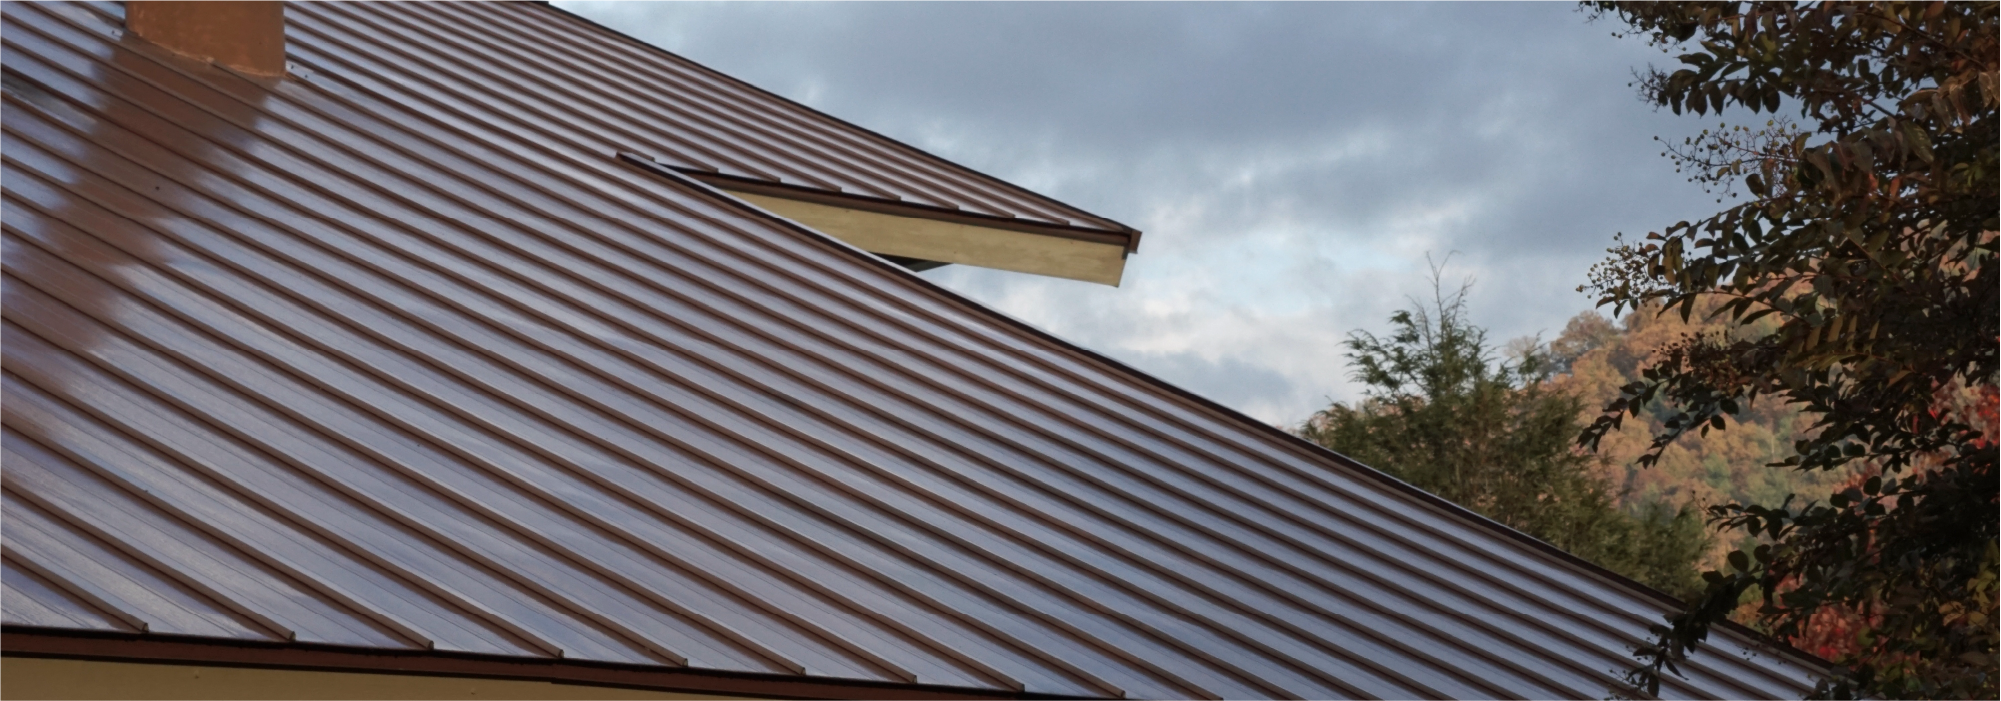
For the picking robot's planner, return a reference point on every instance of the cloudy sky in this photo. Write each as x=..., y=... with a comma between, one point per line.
x=1291, y=164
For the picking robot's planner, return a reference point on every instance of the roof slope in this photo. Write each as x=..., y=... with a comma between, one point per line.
x=359, y=359
x=601, y=90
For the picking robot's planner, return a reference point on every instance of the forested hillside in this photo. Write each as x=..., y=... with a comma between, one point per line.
x=1596, y=356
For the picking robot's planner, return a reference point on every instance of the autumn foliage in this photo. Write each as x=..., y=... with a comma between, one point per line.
x=1846, y=634
x=1865, y=233
x=1595, y=357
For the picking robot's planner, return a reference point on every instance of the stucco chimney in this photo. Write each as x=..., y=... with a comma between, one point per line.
x=248, y=37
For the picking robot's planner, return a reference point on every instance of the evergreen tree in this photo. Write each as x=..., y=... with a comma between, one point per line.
x=1445, y=415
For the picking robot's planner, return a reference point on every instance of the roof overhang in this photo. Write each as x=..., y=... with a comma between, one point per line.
x=925, y=233
x=952, y=242
x=344, y=672
x=72, y=678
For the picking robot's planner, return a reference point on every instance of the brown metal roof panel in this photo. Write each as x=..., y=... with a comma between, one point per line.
x=459, y=541
x=807, y=573
x=113, y=11
x=139, y=363
x=555, y=66
x=401, y=459
x=164, y=603
x=1101, y=530
x=1103, y=567
x=1283, y=601
x=764, y=117
x=549, y=74
x=1095, y=597
x=36, y=599
x=170, y=545
x=495, y=65
x=961, y=187
x=339, y=49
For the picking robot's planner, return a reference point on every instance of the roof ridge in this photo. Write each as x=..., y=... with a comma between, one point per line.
x=1112, y=224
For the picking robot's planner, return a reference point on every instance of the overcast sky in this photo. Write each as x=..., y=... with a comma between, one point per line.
x=1291, y=164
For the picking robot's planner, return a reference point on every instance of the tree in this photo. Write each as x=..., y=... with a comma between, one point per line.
x=1596, y=356
x=1442, y=414
x=1868, y=232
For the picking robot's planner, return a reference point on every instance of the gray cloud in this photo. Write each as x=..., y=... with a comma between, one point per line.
x=1292, y=164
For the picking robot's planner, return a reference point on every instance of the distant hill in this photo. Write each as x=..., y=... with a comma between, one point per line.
x=1596, y=356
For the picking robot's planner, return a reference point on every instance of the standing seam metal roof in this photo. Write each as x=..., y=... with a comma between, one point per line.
x=396, y=354
x=714, y=124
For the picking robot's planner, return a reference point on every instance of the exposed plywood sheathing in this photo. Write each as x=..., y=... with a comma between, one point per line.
x=950, y=242
x=396, y=362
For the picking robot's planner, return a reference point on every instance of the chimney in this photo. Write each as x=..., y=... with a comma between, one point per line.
x=248, y=37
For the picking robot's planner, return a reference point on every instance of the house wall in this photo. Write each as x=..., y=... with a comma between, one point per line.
x=50, y=678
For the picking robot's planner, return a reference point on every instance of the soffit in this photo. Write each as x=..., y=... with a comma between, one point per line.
x=951, y=242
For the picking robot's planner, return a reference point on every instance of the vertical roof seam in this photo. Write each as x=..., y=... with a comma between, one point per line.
x=943, y=167
x=691, y=80
x=445, y=539
x=75, y=586
x=723, y=133
x=1030, y=334
x=109, y=536
x=853, y=647
x=825, y=153
x=438, y=589
x=273, y=560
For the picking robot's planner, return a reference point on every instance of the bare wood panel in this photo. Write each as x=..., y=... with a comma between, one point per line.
x=950, y=242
